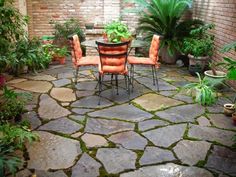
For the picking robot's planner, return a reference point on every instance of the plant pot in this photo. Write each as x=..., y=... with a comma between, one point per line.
x=2, y=80
x=202, y=61
x=229, y=109
x=214, y=80
x=194, y=69
x=89, y=25
x=234, y=118
x=62, y=60
x=166, y=58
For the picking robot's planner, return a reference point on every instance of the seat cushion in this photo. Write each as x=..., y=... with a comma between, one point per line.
x=113, y=69
x=88, y=61
x=142, y=61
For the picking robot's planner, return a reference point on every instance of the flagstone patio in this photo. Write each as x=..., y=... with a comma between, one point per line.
x=162, y=134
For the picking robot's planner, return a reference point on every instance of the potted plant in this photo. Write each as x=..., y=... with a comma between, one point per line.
x=204, y=94
x=117, y=31
x=60, y=54
x=3, y=64
x=229, y=109
x=199, y=46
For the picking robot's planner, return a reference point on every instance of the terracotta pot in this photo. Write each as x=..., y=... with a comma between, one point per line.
x=229, y=109
x=234, y=118
x=2, y=80
x=62, y=60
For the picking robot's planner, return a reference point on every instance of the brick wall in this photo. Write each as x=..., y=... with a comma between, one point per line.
x=223, y=14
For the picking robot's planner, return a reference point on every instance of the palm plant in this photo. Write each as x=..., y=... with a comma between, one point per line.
x=163, y=17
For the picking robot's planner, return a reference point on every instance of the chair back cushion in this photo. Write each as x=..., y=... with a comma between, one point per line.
x=153, y=51
x=113, y=57
x=76, y=52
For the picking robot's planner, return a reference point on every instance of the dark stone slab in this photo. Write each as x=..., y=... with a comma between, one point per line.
x=40, y=173
x=123, y=112
x=149, y=124
x=86, y=86
x=184, y=98
x=221, y=121
x=81, y=111
x=166, y=136
x=222, y=159
x=61, y=82
x=106, y=127
x=153, y=155
x=184, y=113
x=91, y=102
x=85, y=93
x=33, y=119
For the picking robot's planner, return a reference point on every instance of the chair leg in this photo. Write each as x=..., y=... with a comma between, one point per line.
x=100, y=88
x=76, y=75
x=128, y=80
x=156, y=78
x=111, y=78
x=153, y=78
x=132, y=76
x=117, y=92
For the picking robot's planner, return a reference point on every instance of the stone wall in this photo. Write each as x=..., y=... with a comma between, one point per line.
x=223, y=14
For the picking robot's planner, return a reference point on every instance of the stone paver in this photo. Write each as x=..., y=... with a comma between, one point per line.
x=123, y=112
x=86, y=86
x=129, y=140
x=168, y=170
x=61, y=82
x=16, y=81
x=40, y=173
x=149, y=124
x=221, y=121
x=86, y=167
x=23, y=173
x=106, y=127
x=62, y=125
x=52, y=152
x=153, y=155
x=50, y=109
x=211, y=134
x=33, y=119
x=166, y=136
x=153, y=102
x=63, y=94
x=203, y=121
x=191, y=152
x=116, y=160
x=91, y=140
x=81, y=111
x=34, y=86
x=84, y=93
x=222, y=159
x=184, y=98
x=79, y=118
x=185, y=113
x=42, y=78
x=91, y=102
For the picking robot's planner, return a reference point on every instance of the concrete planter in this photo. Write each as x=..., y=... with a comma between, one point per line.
x=215, y=80
x=202, y=61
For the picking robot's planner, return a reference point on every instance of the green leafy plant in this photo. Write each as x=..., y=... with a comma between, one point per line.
x=12, y=104
x=60, y=52
x=12, y=25
x=163, y=17
x=199, y=43
x=229, y=63
x=204, y=94
x=117, y=31
x=12, y=138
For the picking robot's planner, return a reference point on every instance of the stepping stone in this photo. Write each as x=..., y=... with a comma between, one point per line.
x=221, y=121
x=84, y=93
x=33, y=119
x=191, y=152
x=106, y=127
x=211, y=134
x=63, y=94
x=76, y=135
x=168, y=170
x=61, y=82
x=203, y=121
x=149, y=124
x=153, y=155
x=166, y=136
x=91, y=102
x=123, y=112
x=162, y=84
x=34, y=86
x=153, y=102
x=116, y=160
x=16, y=81
x=91, y=140
x=50, y=109
x=62, y=125
x=184, y=113
x=191, y=78
x=79, y=118
x=215, y=108
x=40, y=173
x=180, y=83
x=129, y=140
x=52, y=152
x=222, y=159
x=168, y=93
x=66, y=75
x=87, y=86
x=184, y=98
x=86, y=167
x=23, y=173
x=41, y=78
x=81, y=111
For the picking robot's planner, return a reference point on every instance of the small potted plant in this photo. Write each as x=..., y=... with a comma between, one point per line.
x=117, y=31
x=204, y=94
x=60, y=54
x=199, y=46
x=3, y=63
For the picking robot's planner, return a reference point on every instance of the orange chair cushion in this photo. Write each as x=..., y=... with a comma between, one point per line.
x=113, y=69
x=87, y=61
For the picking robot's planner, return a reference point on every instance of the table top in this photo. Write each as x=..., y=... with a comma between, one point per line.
x=136, y=43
